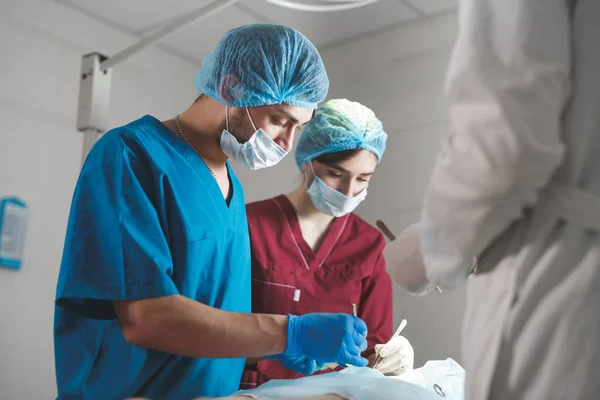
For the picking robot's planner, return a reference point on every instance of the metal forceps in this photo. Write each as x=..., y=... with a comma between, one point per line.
x=397, y=333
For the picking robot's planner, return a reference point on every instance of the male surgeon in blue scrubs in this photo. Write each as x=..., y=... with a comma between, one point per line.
x=153, y=297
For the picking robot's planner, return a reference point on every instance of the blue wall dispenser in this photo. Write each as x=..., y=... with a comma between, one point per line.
x=13, y=224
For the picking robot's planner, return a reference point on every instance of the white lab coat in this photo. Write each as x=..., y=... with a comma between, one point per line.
x=518, y=186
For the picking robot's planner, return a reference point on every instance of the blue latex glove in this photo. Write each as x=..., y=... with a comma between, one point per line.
x=300, y=364
x=327, y=338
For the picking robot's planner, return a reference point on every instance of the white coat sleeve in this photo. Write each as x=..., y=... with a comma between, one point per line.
x=508, y=83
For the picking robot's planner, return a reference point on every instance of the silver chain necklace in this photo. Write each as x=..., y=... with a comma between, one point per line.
x=181, y=135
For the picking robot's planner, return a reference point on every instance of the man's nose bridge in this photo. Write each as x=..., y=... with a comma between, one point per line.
x=287, y=138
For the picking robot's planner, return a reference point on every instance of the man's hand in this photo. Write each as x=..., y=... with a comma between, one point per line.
x=328, y=338
x=300, y=364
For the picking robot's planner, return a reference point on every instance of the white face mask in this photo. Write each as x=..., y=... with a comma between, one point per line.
x=331, y=202
x=260, y=151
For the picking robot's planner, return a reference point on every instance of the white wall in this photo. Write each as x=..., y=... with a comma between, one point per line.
x=41, y=43
x=400, y=75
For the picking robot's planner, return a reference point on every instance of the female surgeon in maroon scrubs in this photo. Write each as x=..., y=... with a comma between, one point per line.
x=310, y=252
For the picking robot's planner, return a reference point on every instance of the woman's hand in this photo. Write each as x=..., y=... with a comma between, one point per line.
x=397, y=356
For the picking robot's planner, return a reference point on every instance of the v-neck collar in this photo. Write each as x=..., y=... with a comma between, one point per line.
x=226, y=212
x=313, y=260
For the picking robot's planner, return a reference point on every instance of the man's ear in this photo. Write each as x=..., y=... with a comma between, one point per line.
x=228, y=88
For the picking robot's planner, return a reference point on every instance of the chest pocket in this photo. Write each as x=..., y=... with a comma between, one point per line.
x=275, y=289
x=215, y=270
x=334, y=288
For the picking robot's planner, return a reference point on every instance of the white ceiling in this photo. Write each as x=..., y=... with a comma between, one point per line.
x=324, y=29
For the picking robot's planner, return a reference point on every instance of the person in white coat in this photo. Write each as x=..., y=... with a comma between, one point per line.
x=517, y=187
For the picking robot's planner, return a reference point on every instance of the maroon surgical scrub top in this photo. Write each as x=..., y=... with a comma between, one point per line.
x=289, y=278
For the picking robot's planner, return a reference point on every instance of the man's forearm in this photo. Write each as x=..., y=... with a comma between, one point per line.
x=182, y=326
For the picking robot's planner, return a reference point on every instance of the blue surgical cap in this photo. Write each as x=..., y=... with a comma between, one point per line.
x=264, y=64
x=340, y=125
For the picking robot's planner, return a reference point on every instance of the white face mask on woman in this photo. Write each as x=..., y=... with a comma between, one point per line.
x=260, y=151
x=329, y=201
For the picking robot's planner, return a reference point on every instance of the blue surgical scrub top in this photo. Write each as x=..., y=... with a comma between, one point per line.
x=147, y=220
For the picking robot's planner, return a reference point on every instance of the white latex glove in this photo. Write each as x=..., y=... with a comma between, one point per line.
x=405, y=264
x=397, y=356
